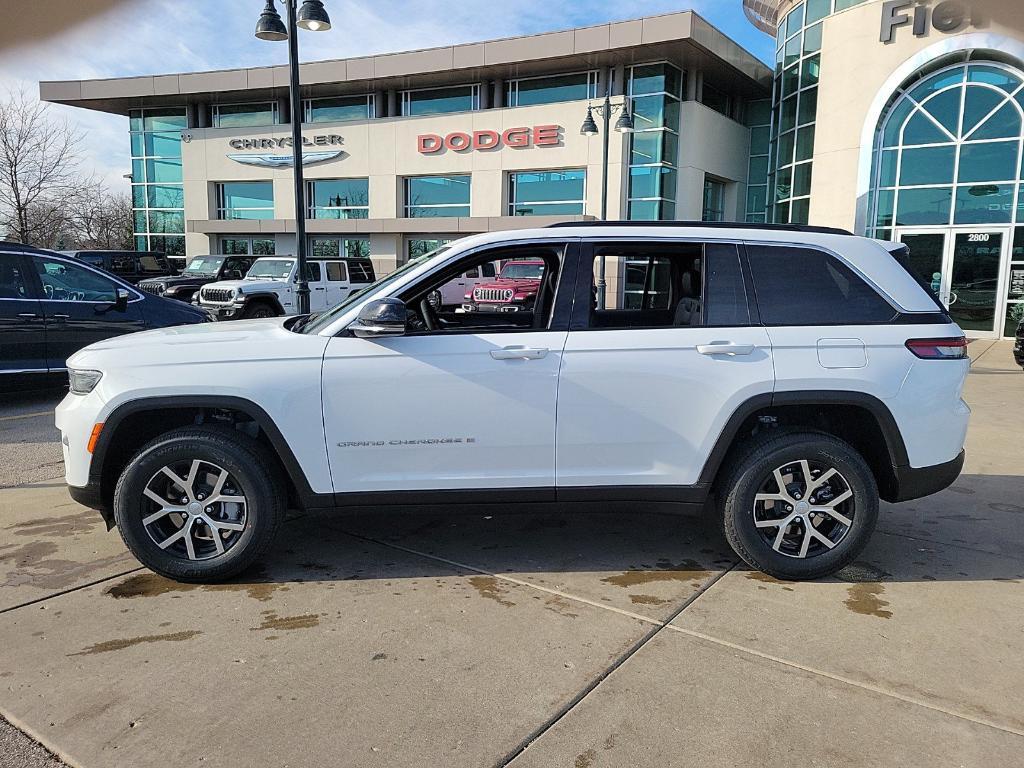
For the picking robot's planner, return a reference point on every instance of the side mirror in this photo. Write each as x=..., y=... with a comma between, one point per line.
x=121, y=302
x=381, y=318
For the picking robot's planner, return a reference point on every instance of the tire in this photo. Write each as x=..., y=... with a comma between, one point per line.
x=781, y=551
x=258, y=309
x=201, y=454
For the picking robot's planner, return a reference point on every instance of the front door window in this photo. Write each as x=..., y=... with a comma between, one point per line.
x=974, y=280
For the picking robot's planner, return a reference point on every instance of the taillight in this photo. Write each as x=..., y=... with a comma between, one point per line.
x=954, y=348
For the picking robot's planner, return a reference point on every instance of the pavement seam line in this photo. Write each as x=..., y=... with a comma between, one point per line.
x=934, y=542
x=69, y=590
x=846, y=680
x=26, y=416
x=657, y=626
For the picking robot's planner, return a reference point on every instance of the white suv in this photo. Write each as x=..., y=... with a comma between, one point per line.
x=790, y=375
x=268, y=288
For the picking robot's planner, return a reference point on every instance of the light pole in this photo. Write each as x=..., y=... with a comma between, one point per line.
x=313, y=17
x=589, y=128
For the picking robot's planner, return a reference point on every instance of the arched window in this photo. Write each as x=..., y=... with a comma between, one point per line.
x=948, y=150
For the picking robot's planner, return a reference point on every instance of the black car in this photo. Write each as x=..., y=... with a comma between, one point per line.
x=200, y=271
x=1018, y=344
x=52, y=305
x=130, y=266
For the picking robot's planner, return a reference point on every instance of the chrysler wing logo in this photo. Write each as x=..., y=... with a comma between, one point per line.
x=285, y=161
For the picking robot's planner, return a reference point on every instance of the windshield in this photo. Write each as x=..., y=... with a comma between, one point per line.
x=273, y=268
x=520, y=271
x=204, y=265
x=315, y=323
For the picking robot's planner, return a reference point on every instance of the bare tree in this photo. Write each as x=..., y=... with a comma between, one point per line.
x=39, y=164
x=100, y=218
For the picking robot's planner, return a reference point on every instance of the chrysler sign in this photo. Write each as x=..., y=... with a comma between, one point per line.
x=285, y=160
x=481, y=141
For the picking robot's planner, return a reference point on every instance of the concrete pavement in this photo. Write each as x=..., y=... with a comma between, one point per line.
x=533, y=640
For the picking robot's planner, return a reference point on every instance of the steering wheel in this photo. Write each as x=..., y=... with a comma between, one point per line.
x=76, y=295
x=48, y=290
x=427, y=311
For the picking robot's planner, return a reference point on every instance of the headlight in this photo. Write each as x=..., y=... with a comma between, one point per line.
x=83, y=382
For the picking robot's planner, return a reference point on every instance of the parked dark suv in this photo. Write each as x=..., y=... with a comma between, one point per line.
x=52, y=305
x=200, y=271
x=130, y=266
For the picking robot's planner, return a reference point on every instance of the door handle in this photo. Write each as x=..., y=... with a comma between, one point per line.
x=61, y=317
x=318, y=289
x=952, y=298
x=725, y=348
x=28, y=315
x=519, y=353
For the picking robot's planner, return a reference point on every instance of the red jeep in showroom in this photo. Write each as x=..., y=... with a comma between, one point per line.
x=513, y=290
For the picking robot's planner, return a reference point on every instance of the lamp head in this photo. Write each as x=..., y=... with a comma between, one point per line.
x=625, y=122
x=313, y=16
x=270, y=27
x=589, y=127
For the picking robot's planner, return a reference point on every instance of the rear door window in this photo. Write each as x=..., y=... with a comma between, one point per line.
x=805, y=286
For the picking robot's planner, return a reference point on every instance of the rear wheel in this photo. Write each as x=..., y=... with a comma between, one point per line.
x=199, y=503
x=799, y=505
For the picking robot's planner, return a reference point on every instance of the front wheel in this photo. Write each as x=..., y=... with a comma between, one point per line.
x=199, y=503
x=799, y=505
x=258, y=310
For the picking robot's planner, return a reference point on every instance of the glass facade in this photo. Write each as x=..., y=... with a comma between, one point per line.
x=420, y=246
x=428, y=196
x=794, y=111
x=437, y=101
x=654, y=92
x=714, y=200
x=244, y=115
x=158, y=199
x=337, y=109
x=948, y=151
x=247, y=246
x=245, y=200
x=336, y=247
x=547, y=193
x=551, y=89
x=758, y=118
x=338, y=198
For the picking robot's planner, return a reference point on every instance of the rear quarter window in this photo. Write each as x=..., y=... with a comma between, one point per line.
x=805, y=286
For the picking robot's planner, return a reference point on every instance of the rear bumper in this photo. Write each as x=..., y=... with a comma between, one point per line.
x=915, y=482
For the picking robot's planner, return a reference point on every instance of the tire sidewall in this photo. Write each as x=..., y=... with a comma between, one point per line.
x=260, y=310
x=258, y=490
x=740, y=517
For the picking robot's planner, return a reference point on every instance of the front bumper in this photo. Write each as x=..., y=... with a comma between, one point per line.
x=492, y=308
x=916, y=482
x=222, y=311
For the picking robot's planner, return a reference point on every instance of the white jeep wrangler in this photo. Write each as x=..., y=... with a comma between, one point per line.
x=790, y=376
x=268, y=288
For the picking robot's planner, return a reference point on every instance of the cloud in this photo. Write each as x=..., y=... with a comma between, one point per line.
x=156, y=36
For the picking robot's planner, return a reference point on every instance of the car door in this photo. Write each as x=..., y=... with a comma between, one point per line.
x=337, y=281
x=652, y=373
x=317, y=286
x=79, y=307
x=22, y=328
x=471, y=410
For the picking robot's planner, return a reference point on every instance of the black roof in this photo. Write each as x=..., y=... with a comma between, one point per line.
x=8, y=246
x=705, y=225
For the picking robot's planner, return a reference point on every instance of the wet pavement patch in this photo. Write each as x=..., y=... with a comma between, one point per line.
x=67, y=525
x=488, y=587
x=118, y=645
x=687, y=570
x=151, y=585
x=865, y=598
x=272, y=621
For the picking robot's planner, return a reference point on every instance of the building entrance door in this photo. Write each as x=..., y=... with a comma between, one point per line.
x=965, y=269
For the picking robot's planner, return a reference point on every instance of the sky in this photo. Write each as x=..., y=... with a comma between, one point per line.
x=159, y=36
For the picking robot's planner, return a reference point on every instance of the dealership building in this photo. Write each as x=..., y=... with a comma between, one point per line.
x=891, y=118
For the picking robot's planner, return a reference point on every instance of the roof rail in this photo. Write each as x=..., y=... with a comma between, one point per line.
x=11, y=245
x=704, y=225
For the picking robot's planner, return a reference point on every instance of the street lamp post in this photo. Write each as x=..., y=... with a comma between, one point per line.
x=589, y=128
x=313, y=17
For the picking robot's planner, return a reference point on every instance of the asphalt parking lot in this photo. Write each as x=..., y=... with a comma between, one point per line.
x=525, y=640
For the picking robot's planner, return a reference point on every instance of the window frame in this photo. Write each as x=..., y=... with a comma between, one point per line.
x=22, y=262
x=221, y=208
x=752, y=297
x=119, y=285
x=581, y=311
x=308, y=105
x=275, y=114
x=593, y=86
x=405, y=99
x=312, y=207
x=513, y=184
x=407, y=206
x=565, y=286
